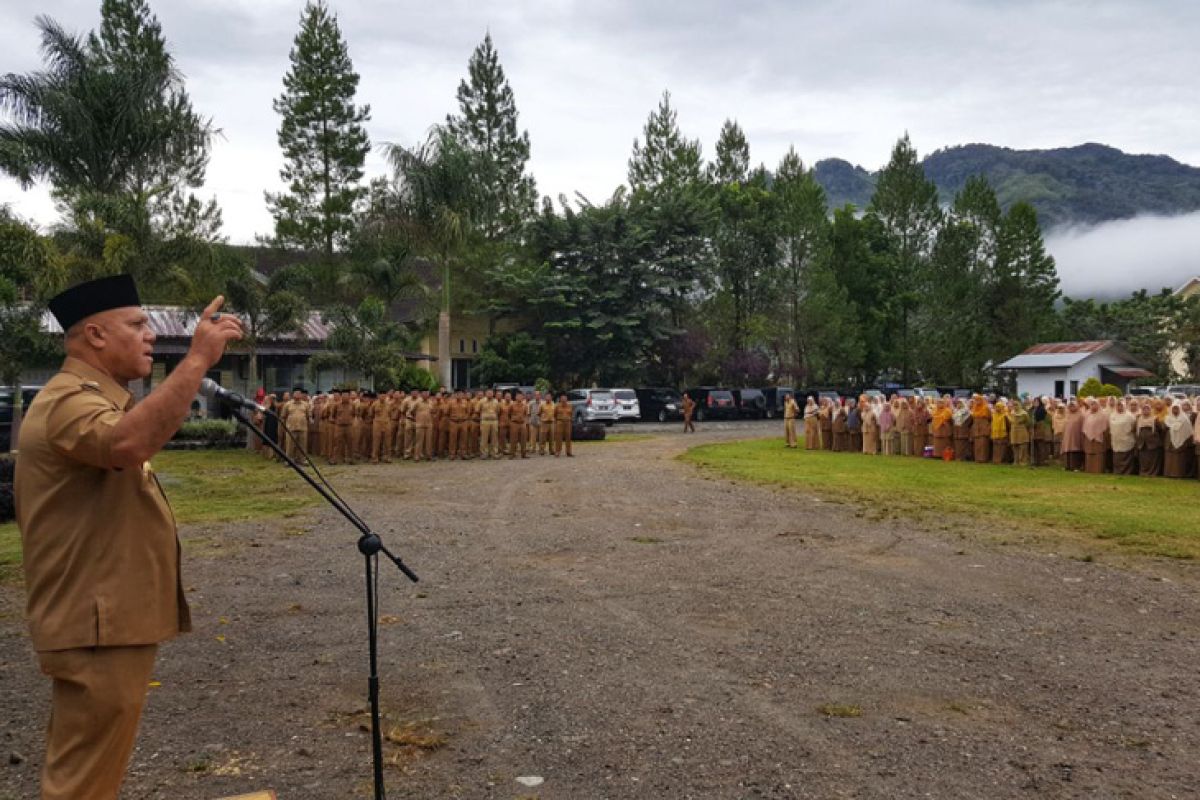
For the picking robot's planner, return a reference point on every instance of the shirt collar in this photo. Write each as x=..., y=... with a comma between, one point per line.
x=108, y=385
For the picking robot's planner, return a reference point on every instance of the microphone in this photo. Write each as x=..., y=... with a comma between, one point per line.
x=214, y=391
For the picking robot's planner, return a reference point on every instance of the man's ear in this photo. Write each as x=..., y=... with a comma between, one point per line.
x=95, y=334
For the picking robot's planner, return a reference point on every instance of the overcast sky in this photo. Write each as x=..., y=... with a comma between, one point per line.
x=833, y=78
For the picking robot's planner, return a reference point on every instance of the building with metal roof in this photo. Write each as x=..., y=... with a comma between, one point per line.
x=1058, y=369
x=281, y=360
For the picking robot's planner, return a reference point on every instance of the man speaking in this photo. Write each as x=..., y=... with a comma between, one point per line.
x=101, y=556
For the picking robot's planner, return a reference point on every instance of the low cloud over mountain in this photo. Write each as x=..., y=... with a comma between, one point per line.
x=1115, y=258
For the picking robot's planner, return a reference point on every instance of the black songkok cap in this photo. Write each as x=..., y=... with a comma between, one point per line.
x=85, y=299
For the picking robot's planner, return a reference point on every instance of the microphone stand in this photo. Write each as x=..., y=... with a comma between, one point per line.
x=370, y=545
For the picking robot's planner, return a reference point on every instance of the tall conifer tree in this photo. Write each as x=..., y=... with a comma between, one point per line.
x=322, y=137
x=487, y=125
x=906, y=204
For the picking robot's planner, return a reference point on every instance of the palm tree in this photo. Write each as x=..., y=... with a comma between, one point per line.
x=108, y=124
x=436, y=192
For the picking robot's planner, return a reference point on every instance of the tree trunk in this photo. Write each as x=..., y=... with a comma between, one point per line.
x=18, y=412
x=444, y=364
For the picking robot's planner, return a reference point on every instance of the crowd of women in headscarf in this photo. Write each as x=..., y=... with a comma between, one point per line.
x=1147, y=436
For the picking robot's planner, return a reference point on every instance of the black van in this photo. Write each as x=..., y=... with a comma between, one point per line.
x=713, y=403
x=6, y=411
x=775, y=397
x=751, y=403
x=659, y=403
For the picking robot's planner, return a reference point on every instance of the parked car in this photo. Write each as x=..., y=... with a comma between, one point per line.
x=751, y=403
x=513, y=389
x=657, y=403
x=6, y=411
x=593, y=405
x=713, y=403
x=1180, y=391
x=775, y=397
x=1143, y=391
x=626, y=401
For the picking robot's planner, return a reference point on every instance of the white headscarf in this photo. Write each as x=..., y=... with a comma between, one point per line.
x=1179, y=425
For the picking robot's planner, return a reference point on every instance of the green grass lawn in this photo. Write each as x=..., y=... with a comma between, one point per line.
x=1155, y=516
x=208, y=486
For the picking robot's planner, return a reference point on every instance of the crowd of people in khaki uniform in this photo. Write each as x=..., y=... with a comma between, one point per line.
x=348, y=426
x=1146, y=436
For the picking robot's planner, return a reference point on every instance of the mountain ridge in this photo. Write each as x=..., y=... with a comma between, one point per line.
x=1081, y=185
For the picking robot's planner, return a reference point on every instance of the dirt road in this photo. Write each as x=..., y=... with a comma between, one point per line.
x=619, y=626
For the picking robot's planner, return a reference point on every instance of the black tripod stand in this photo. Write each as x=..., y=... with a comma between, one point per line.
x=370, y=545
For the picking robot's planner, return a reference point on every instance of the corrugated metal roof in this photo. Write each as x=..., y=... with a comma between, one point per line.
x=1044, y=361
x=1068, y=347
x=175, y=322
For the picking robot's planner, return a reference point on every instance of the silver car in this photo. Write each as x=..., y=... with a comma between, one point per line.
x=593, y=405
x=628, y=408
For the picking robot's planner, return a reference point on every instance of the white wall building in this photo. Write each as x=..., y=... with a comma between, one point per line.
x=1059, y=369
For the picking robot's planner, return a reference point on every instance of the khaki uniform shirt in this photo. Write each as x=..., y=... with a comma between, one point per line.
x=489, y=410
x=423, y=413
x=101, y=555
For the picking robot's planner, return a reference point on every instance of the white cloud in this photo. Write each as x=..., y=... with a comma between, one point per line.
x=1116, y=258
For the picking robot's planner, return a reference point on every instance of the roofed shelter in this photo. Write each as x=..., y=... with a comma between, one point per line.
x=282, y=358
x=1058, y=369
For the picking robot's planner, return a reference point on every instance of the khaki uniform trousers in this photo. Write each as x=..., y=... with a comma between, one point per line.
x=516, y=438
x=488, y=445
x=459, y=432
x=562, y=436
x=381, y=442
x=342, y=449
x=294, y=441
x=398, y=433
x=545, y=432
x=422, y=448
x=789, y=431
x=96, y=705
x=410, y=435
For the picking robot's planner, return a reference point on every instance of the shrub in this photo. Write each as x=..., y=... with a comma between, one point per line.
x=1093, y=388
x=208, y=430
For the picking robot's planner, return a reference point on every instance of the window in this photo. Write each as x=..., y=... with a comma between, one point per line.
x=1074, y=388
x=474, y=345
x=1058, y=388
x=462, y=345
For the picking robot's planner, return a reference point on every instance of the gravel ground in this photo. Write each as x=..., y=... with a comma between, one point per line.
x=617, y=625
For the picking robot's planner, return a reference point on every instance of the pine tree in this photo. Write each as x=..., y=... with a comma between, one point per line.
x=732, y=163
x=322, y=137
x=665, y=160
x=1025, y=287
x=817, y=310
x=487, y=125
x=672, y=208
x=906, y=204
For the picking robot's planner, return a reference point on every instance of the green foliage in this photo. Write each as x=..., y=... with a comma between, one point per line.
x=322, y=137
x=28, y=273
x=487, y=125
x=664, y=161
x=366, y=340
x=906, y=205
x=1086, y=184
x=515, y=357
x=110, y=126
x=213, y=431
x=1093, y=388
